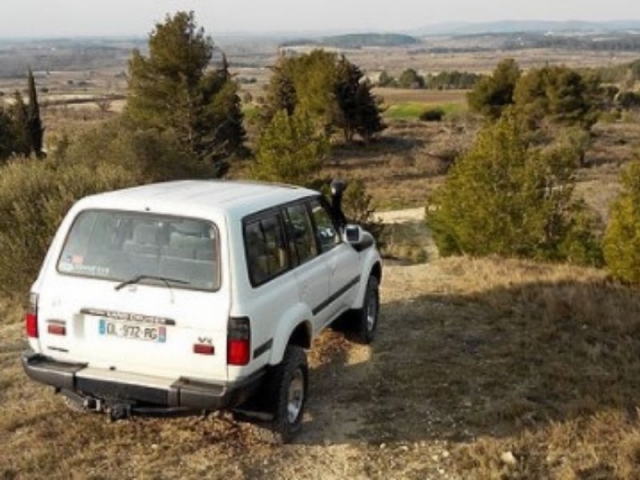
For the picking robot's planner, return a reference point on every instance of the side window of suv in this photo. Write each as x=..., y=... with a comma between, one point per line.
x=326, y=231
x=300, y=232
x=266, y=250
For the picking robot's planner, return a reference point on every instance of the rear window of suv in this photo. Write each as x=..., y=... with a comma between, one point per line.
x=121, y=246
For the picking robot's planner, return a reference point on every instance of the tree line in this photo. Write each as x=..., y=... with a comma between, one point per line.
x=448, y=80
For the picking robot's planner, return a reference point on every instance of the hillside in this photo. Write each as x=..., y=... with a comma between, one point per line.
x=511, y=26
x=482, y=368
x=357, y=40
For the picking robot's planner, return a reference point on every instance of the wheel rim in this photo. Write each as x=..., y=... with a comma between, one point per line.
x=295, y=396
x=372, y=311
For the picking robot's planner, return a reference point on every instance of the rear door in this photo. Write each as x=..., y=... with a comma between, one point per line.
x=136, y=292
x=142, y=329
x=312, y=272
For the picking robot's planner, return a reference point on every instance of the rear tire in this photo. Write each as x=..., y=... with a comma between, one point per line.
x=288, y=387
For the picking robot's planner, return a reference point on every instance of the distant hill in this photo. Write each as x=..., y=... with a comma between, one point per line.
x=357, y=40
x=512, y=26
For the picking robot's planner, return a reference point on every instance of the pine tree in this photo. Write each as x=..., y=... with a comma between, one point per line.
x=331, y=92
x=622, y=238
x=506, y=197
x=7, y=139
x=358, y=111
x=280, y=92
x=369, y=112
x=493, y=94
x=289, y=150
x=346, y=90
x=34, y=128
x=18, y=111
x=172, y=89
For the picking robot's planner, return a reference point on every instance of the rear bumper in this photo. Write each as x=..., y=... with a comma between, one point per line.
x=183, y=392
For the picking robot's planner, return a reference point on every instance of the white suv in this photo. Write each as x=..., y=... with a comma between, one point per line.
x=197, y=295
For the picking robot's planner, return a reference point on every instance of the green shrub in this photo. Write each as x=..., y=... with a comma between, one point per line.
x=359, y=209
x=432, y=115
x=504, y=197
x=622, y=238
x=150, y=155
x=289, y=150
x=628, y=100
x=34, y=197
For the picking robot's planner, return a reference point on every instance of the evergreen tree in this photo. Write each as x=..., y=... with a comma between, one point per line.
x=172, y=89
x=18, y=111
x=331, y=92
x=369, y=112
x=386, y=80
x=410, y=79
x=34, y=128
x=314, y=78
x=622, y=238
x=280, y=92
x=289, y=150
x=348, y=77
x=504, y=197
x=7, y=139
x=560, y=94
x=491, y=95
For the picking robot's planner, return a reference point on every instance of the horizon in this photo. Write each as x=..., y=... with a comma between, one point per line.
x=316, y=32
x=73, y=18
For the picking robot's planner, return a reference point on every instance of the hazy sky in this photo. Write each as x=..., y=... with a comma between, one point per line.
x=36, y=18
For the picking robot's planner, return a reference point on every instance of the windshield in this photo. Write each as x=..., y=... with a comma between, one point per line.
x=119, y=246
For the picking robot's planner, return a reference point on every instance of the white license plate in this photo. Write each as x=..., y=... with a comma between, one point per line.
x=150, y=333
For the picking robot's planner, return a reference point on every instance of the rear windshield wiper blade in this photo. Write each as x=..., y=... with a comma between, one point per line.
x=168, y=281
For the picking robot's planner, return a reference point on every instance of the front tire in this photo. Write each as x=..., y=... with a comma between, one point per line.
x=366, y=318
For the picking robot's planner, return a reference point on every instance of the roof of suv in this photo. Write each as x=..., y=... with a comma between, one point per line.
x=239, y=197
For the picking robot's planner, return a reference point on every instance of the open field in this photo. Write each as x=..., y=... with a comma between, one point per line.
x=482, y=369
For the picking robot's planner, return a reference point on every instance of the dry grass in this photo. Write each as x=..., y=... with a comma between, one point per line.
x=536, y=360
x=482, y=369
x=406, y=163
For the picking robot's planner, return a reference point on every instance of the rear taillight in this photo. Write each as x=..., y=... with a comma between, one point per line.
x=31, y=319
x=239, y=341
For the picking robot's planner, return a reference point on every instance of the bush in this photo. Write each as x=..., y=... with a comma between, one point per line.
x=149, y=155
x=432, y=115
x=358, y=208
x=504, y=197
x=34, y=197
x=622, y=238
x=628, y=100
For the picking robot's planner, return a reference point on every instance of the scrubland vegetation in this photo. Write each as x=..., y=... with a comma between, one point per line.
x=516, y=357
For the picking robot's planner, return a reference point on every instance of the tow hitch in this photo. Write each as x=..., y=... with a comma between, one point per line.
x=118, y=411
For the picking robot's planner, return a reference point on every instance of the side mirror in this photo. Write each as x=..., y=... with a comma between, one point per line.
x=358, y=238
x=352, y=234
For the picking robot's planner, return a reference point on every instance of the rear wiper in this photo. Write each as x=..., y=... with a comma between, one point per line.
x=168, y=281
